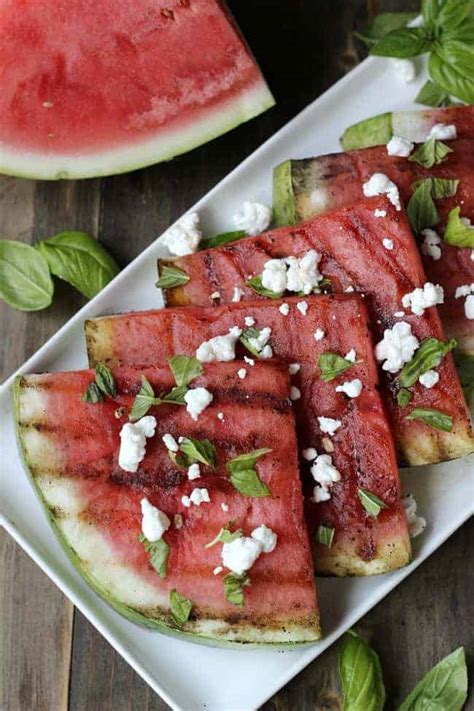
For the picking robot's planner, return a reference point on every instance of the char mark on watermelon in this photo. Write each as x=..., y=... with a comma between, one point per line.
x=353, y=256
x=90, y=90
x=304, y=188
x=361, y=449
x=71, y=449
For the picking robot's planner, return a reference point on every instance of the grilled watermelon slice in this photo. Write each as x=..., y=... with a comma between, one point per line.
x=96, y=88
x=362, y=448
x=353, y=256
x=71, y=450
x=414, y=125
x=303, y=188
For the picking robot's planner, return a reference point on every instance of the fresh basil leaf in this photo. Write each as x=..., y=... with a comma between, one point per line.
x=220, y=239
x=158, y=552
x=403, y=397
x=178, y=459
x=452, y=13
x=421, y=210
x=184, y=369
x=431, y=94
x=383, y=23
x=332, y=365
x=92, y=394
x=143, y=401
x=224, y=536
x=244, y=476
x=457, y=233
x=25, y=281
x=175, y=396
x=462, y=33
x=402, y=43
x=450, y=79
x=430, y=153
x=444, y=687
x=371, y=503
x=79, y=259
x=428, y=356
x=429, y=11
x=435, y=418
x=247, y=460
x=440, y=188
x=171, y=277
x=256, y=284
x=325, y=535
x=458, y=55
x=105, y=380
x=465, y=367
x=180, y=607
x=361, y=676
x=233, y=588
x=199, y=451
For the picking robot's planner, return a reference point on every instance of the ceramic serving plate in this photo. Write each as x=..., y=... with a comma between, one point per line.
x=186, y=675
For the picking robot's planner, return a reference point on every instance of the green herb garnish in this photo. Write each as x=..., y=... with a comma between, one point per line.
x=158, y=552
x=325, y=535
x=224, y=536
x=403, y=397
x=171, y=277
x=444, y=687
x=244, y=476
x=371, y=503
x=421, y=210
x=233, y=588
x=332, y=365
x=430, y=153
x=435, y=418
x=428, y=356
x=220, y=239
x=180, y=607
x=361, y=676
x=256, y=284
x=92, y=395
x=456, y=232
x=184, y=369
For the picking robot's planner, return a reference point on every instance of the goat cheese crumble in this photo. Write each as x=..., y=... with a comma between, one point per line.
x=237, y=295
x=249, y=321
x=429, y=379
x=197, y=400
x=380, y=184
x=242, y=373
x=184, y=237
x=325, y=475
x=416, y=524
x=284, y=309
x=253, y=217
x=422, y=298
x=328, y=425
x=295, y=393
x=397, y=347
x=170, y=442
x=466, y=290
x=194, y=471
x=443, y=132
x=294, y=368
x=240, y=554
x=154, y=521
x=430, y=246
x=197, y=497
x=380, y=213
x=319, y=334
x=298, y=274
x=309, y=454
x=219, y=348
x=387, y=243
x=351, y=356
x=352, y=388
x=302, y=307
x=133, y=436
x=260, y=343
x=399, y=146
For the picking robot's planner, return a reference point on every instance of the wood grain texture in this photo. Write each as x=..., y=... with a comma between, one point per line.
x=49, y=663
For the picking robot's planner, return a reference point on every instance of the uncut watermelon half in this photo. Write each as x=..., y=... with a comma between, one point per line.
x=95, y=88
x=303, y=188
x=71, y=450
x=353, y=257
x=362, y=448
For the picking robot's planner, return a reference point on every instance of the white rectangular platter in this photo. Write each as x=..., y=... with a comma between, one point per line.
x=186, y=675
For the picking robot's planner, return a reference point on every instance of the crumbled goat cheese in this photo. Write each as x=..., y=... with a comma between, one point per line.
x=154, y=521
x=320, y=494
x=309, y=454
x=469, y=307
x=380, y=213
x=170, y=442
x=220, y=348
x=294, y=368
x=220, y=416
x=319, y=334
x=328, y=425
x=293, y=273
x=260, y=343
x=242, y=373
x=349, y=289
x=397, y=347
x=133, y=436
x=248, y=360
x=194, y=471
x=216, y=295
x=404, y=68
x=416, y=524
x=466, y=290
x=443, y=132
x=240, y=554
x=352, y=388
x=249, y=321
x=197, y=400
x=387, y=243
x=380, y=184
x=325, y=475
x=302, y=307
x=253, y=217
x=431, y=242
x=284, y=309
x=429, y=379
x=399, y=314
x=197, y=497
x=266, y=537
x=225, y=507
x=184, y=237
x=238, y=293
x=218, y=570
x=266, y=352
x=295, y=393
x=398, y=146
x=422, y=298
x=351, y=356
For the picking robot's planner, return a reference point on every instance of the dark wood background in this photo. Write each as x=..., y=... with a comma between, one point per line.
x=51, y=658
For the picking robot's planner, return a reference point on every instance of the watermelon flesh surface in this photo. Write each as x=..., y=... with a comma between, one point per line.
x=362, y=448
x=95, y=88
x=71, y=449
x=353, y=256
x=315, y=185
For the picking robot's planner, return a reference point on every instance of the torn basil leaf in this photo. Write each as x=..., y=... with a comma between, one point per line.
x=233, y=588
x=435, y=418
x=220, y=239
x=439, y=187
x=431, y=94
x=199, y=450
x=143, y=401
x=224, y=536
x=105, y=380
x=180, y=607
x=430, y=153
x=92, y=395
x=325, y=535
x=256, y=284
x=184, y=369
x=421, y=210
x=371, y=503
x=403, y=397
x=158, y=552
x=456, y=232
x=244, y=476
x=332, y=365
x=171, y=277
x=428, y=356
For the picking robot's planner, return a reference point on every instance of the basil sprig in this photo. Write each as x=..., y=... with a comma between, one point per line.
x=430, y=153
x=244, y=476
x=180, y=607
x=184, y=369
x=194, y=450
x=234, y=588
x=104, y=384
x=428, y=356
x=25, y=281
x=255, y=283
x=361, y=676
x=421, y=209
x=325, y=535
x=224, y=536
x=158, y=552
x=434, y=418
x=457, y=233
x=444, y=687
x=170, y=277
x=371, y=503
x=331, y=365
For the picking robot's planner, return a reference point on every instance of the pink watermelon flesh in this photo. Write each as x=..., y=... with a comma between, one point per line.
x=78, y=446
x=99, y=87
x=353, y=256
x=362, y=448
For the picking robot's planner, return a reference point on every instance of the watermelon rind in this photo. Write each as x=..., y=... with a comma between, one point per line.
x=87, y=549
x=168, y=144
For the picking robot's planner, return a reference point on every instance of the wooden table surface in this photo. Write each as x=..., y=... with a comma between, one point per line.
x=51, y=657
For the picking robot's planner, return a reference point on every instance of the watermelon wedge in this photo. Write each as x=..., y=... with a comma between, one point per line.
x=413, y=125
x=303, y=188
x=362, y=448
x=96, y=88
x=71, y=450
x=349, y=241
